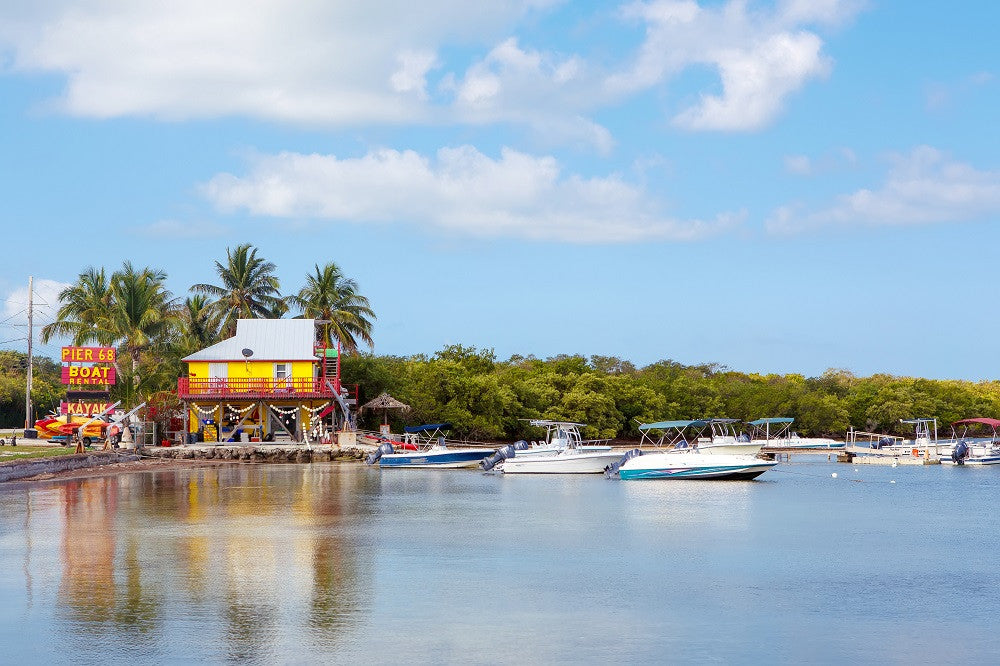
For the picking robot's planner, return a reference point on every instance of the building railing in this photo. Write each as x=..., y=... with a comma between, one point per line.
x=253, y=387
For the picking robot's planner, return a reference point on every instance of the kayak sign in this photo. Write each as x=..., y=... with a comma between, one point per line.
x=84, y=408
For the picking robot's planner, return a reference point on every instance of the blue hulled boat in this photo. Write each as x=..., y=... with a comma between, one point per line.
x=432, y=452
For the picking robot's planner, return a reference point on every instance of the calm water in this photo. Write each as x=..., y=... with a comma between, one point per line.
x=341, y=563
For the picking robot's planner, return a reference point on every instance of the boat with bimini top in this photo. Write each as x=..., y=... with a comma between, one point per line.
x=709, y=436
x=970, y=448
x=429, y=450
x=776, y=432
x=675, y=458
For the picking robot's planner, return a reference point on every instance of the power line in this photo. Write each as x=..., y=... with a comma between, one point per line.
x=16, y=314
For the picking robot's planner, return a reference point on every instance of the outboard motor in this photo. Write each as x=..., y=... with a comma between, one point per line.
x=613, y=468
x=374, y=456
x=502, y=454
x=960, y=452
x=521, y=445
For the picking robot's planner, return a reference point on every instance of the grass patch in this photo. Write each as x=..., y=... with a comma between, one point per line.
x=24, y=452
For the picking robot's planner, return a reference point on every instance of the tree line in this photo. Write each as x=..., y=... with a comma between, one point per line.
x=487, y=399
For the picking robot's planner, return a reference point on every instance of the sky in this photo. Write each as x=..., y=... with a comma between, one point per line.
x=776, y=187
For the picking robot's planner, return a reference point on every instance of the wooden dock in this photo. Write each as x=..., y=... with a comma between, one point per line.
x=862, y=455
x=785, y=452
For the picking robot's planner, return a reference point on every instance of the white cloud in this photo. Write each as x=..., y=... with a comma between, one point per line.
x=755, y=82
x=312, y=61
x=412, y=73
x=923, y=187
x=762, y=58
x=798, y=164
x=323, y=63
x=545, y=91
x=45, y=304
x=458, y=190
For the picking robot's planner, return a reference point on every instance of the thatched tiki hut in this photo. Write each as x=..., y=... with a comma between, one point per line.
x=385, y=402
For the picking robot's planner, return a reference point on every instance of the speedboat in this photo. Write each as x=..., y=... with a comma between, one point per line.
x=429, y=450
x=687, y=464
x=559, y=435
x=710, y=436
x=675, y=458
x=776, y=432
x=972, y=450
x=567, y=454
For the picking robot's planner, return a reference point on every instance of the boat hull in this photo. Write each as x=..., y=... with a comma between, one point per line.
x=973, y=462
x=693, y=466
x=731, y=449
x=980, y=456
x=567, y=462
x=449, y=458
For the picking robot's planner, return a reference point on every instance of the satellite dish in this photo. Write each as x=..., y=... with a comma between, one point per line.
x=247, y=352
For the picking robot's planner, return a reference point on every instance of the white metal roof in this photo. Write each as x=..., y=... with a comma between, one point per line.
x=268, y=339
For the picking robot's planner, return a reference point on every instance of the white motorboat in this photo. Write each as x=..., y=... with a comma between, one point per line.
x=710, y=436
x=559, y=435
x=675, y=458
x=566, y=453
x=688, y=464
x=775, y=432
x=972, y=450
x=567, y=461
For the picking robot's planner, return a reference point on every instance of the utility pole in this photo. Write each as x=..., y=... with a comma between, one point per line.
x=27, y=390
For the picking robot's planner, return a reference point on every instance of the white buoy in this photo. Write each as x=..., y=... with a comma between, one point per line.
x=894, y=464
x=834, y=475
x=892, y=482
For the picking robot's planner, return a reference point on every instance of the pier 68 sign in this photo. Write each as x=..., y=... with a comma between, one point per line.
x=88, y=366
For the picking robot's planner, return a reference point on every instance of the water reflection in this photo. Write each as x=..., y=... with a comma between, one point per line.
x=269, y=564
x=87, y=590
x=249, y=555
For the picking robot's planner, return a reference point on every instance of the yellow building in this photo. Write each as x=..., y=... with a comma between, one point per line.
x=269, y=382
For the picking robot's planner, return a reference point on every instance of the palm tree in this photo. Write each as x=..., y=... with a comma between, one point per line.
x=141, y=309
x=334, y=298
x=141, y=318
x=85, y=307
x=197, y=329
x=249, y=288
x=132, y=311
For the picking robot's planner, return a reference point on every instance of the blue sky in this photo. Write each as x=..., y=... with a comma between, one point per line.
x=783, y=186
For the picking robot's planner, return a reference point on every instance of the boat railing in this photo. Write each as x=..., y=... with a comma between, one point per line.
x=869, y=438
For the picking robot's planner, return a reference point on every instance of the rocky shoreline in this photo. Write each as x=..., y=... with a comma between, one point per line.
x=152, y=458
x=295, y=453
